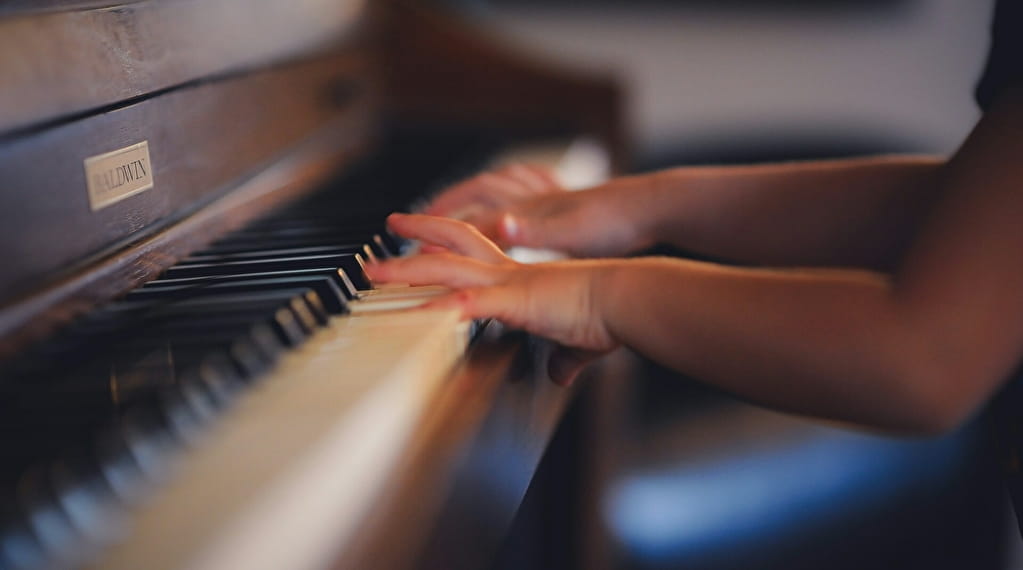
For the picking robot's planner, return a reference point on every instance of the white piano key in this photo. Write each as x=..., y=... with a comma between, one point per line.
x=285, y=479
x=394, y=299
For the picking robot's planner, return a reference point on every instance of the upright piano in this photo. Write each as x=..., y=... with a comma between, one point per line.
x=194, y=369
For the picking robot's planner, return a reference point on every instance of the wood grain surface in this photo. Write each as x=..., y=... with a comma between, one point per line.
x=58, y=59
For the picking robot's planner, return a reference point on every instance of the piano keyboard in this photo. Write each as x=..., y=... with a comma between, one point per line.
x=330, y=419
x=278, y=323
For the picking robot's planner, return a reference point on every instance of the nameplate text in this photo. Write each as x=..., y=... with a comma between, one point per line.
x=114, y=176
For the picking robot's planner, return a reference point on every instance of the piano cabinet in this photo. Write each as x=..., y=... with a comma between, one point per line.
x=269, y=135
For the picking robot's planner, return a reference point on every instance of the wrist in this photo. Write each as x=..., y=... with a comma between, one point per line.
x=630, y=205
x=609, y=285
x=660, y=206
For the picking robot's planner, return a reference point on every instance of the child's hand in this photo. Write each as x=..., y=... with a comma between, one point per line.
x=496, y=189
x=559, y=301
x=524, y=206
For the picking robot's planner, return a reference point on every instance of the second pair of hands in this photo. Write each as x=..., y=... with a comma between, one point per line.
x=518, y=205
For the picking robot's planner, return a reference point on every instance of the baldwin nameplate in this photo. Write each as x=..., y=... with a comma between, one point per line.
x=114, y=176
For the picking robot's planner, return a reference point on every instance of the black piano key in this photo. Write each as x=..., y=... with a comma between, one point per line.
x=252, y=348
x=197, y=400
x=145, y=361
x=233, y=318
x=248, y=359
x=315, y=230
x=272, y=250
x=303, y=305
x=218, y=378
x=215, y=334
x=184, y=340
x=352, y=264
x=378, y=244
x=292, y=321
x=150, y=359
x=232, y=307
x=150, y=441
x=183, y=417
x=335, y=275
x=86, y=497
x=314, y=305
x=19, y=547
x=119, y=467
x=305, y=226
x=49, y=524
x=333, y=299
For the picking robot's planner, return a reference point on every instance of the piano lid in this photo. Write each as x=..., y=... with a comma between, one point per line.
x=65, y=57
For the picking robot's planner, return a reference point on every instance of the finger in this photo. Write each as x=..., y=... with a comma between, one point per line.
x=498, y=302
x=454, y=235
x=547, y=175
x=504, y=304
x=454, y=198
x=431, y=248
x=446, y=269
x=528, y=177
x=487, y=189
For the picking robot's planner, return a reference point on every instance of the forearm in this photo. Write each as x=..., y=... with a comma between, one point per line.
x=855, y=212
x=829, y=343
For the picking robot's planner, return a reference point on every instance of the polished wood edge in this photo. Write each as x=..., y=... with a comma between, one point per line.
x=132, y=49
x=498, y=396
x=439, y=67
x=33, y=317
x=33, y=7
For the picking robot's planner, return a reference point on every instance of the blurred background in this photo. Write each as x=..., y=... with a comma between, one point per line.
x=830, y=75
x=693, y=478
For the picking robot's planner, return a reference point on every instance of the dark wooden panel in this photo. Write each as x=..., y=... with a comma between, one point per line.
x=201, y=140
x=452, y=500
x=301, y=170
x=64, y=61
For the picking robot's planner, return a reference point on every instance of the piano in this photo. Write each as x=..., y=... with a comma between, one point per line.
x=195, y=372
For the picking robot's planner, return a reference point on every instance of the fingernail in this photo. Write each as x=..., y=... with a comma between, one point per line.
x=511, y=227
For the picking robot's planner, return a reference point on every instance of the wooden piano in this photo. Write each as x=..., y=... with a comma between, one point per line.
x=194, y=371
